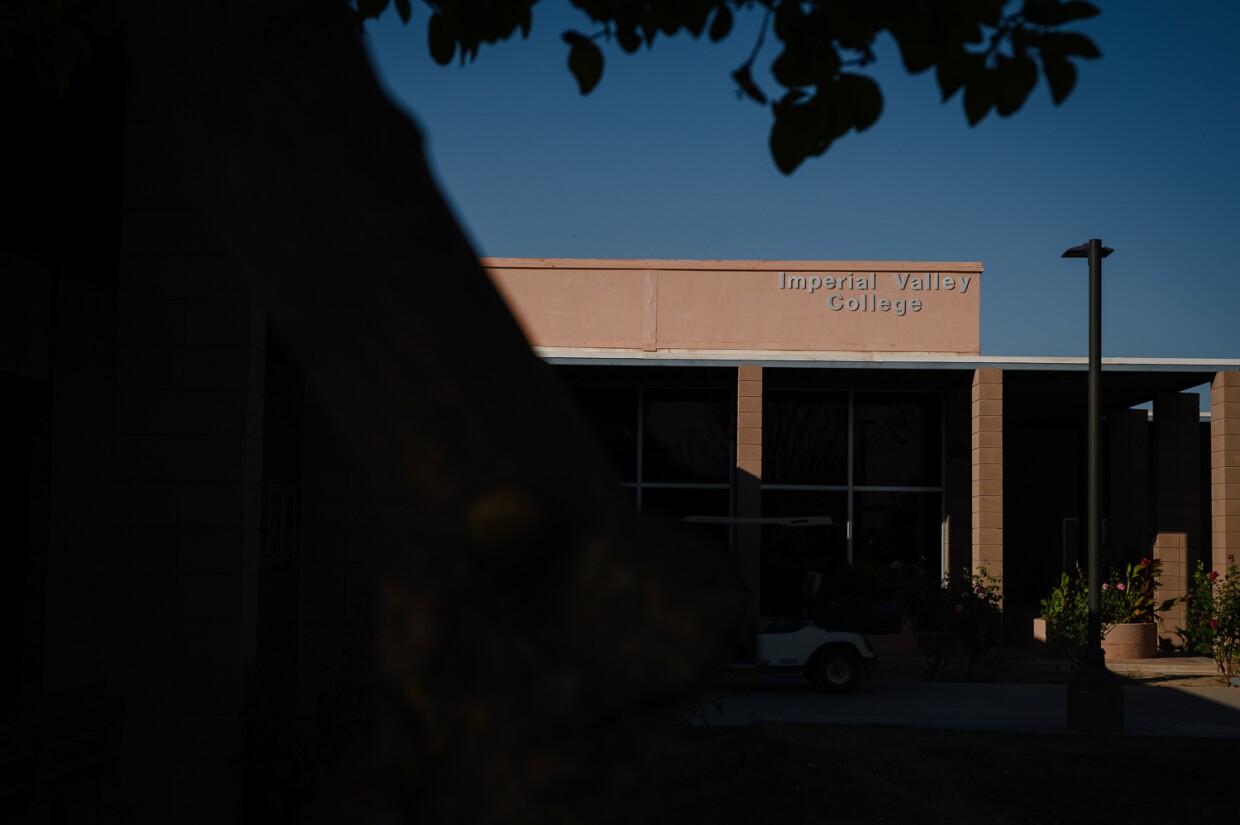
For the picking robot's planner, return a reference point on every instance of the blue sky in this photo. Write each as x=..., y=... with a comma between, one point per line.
x=663, y=160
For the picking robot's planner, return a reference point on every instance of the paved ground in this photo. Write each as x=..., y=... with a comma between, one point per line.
x=1181, y=707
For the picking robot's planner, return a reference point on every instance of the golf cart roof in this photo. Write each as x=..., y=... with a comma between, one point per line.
x=786, y=521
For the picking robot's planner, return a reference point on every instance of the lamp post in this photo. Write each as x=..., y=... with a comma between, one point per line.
x=1095, y=697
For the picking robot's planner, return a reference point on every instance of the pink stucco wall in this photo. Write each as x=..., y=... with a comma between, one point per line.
x=849, y=306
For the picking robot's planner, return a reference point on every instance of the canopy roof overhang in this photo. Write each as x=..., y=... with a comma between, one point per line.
x=1035, y=388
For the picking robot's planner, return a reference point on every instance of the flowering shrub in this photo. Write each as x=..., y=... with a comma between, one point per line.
x=1214, y=617
x=1130, y=596
x=963, y=614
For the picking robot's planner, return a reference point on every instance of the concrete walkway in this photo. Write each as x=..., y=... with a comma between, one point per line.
x=1212, y=712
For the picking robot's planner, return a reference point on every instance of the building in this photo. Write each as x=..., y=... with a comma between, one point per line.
x=857, y=390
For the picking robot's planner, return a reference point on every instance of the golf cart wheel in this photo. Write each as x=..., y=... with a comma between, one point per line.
x=835, y=670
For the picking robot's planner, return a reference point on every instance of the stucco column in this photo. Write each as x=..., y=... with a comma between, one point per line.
x=987, y=470
x=1177, y=501
x=749, y=478
x=1225, y=469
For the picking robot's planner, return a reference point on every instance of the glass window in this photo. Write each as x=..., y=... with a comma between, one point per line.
x=675, y=504
x=613, y=413
x=788, y=553
x=903, y=527
x=897, y=440
x=687, y=436
x=805, y=437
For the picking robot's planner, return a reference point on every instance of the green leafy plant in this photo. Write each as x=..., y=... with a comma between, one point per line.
x=1214, y=617
x=1066, y=611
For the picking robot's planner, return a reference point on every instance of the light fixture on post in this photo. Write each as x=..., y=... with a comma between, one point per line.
x=1095, y=696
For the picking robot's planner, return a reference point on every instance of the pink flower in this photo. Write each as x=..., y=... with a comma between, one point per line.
x=1105, y=586
x=1120, y=585
x=1146, y=562
x=1213, y=575
x=960, y=608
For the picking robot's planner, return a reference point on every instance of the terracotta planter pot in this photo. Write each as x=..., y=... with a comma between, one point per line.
x=1131, y=641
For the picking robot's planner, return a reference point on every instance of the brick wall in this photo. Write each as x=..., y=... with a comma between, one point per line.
x=987, y=473
x=1225, y=469
x=340, y=555
x=188, y=471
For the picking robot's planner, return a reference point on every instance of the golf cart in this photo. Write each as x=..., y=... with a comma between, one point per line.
x=822, y=636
